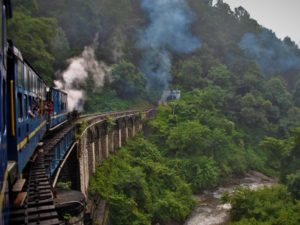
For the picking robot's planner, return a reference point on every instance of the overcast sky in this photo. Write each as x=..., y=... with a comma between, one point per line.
x=281, y=16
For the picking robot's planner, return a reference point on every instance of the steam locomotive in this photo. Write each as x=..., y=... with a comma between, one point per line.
x=28, y=110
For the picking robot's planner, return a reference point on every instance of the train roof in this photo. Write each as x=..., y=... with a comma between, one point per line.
x=19, y=55
x=57, y=89
x=36, y=73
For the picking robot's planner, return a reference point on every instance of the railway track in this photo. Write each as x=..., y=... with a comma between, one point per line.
x=35, y=203
x=38, y=207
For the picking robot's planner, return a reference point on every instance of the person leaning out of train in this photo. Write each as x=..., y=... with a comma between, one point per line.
x=30, y=114
x=49, y=107
x=36, y=107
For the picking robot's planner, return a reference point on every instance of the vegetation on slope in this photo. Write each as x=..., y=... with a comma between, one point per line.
x=140, y=187
x=269, y=206
x=200, y=142
x=280, y=204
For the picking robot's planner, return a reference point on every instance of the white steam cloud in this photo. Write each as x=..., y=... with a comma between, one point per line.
x=79, y=69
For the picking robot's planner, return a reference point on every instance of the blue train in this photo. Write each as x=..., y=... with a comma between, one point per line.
x=59, y=114
x=27, y=117
x=34, y=108
x=6, y=13
x=28, y=110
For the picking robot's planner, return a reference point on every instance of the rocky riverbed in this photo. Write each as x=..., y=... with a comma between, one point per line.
x=211, y=210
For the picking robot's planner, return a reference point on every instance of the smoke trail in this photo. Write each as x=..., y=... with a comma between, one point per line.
x=167, y=31
x=271, y=54
x=76, y=74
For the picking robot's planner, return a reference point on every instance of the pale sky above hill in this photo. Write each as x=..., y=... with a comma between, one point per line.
x=281, y=16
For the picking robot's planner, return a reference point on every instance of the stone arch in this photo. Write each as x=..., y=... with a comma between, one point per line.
x=137, y=123
x=124, y=130
x=104, y=139
x=91, y=151
x=98, y=147
x=97, y=130
x=117, y=135
x=70, y=170
x=131, y=128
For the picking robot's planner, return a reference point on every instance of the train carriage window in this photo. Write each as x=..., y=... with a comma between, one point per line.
x=29, y=78
x=41, y=89
x=20, y=73
x=65, y=102
x=35, y=84
x=62, y=102
x=25, y=78
x=20, y=106
x=26, y=105
x=31, y=81
x=29, y=103
x=38, y=86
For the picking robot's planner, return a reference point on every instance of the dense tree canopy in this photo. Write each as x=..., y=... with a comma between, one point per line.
x=141, y=188
x=265, y=207
x=49, y=33
x=128, y=81
x=35, y=36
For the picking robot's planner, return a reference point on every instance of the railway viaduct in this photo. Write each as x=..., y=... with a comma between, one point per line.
x=96, y=140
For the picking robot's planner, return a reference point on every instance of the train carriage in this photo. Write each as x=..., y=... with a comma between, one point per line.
x=4, y=199
x=58, y=114
x=27, y=116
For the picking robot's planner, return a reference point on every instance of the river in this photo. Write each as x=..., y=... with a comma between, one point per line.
x=211, y=210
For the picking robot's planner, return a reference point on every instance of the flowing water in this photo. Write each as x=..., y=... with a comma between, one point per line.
x=211, y=210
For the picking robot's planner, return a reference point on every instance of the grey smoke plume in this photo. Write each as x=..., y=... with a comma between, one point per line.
x=168, y=31
x=79, y=69
x=271, y=54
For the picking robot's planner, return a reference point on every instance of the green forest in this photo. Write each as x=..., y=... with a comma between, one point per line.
x=239, y=109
